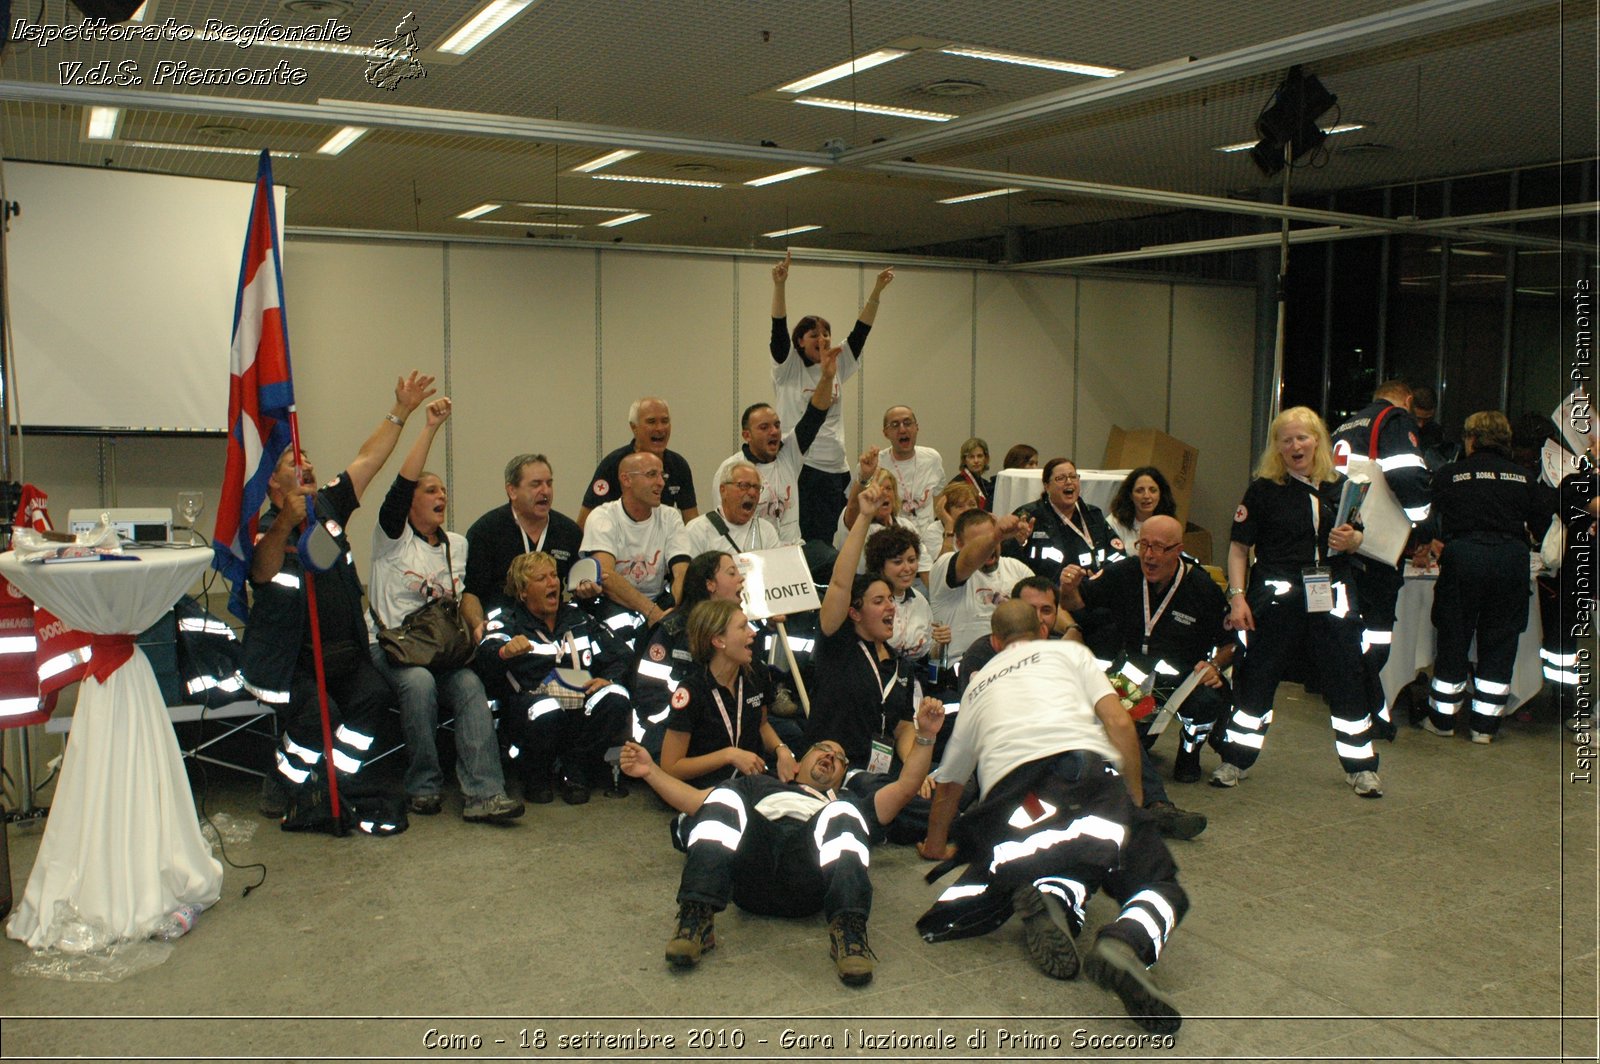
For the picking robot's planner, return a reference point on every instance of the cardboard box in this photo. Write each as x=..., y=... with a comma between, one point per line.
x=1197, y=541
x=1131, y=448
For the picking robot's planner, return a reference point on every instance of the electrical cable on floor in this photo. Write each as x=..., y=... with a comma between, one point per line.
x=205, y=818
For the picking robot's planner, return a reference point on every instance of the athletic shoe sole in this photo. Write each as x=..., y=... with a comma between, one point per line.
x=1114, y=965
x=1045, y=932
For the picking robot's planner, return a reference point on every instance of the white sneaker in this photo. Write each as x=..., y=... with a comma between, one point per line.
x=1367, y=784
x=1482, y=738
x=1228, y=775
x=1429, y=726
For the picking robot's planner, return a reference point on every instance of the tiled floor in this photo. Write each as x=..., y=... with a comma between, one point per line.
x=1456, y=917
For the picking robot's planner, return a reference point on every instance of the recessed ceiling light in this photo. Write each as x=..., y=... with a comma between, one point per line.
x=845, y=69
x=624, y=220
x=101, y=123
x=790, y=232
x=342, y=140
x=1048, y=201
x=481, y=26
x=688, y=182
x=971, y=196
x=786, y=175
x=317, y=8
x=1246, y=145
x=219, y=130
x=479, y=211
x=693, y=168
x=214, y=149
x=601, y=161
x=955, y=87
x=874, y=108
x=1018, y=59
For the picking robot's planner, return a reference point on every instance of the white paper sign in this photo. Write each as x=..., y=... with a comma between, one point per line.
x=776, y=581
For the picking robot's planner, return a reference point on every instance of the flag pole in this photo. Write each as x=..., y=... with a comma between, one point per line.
x=311, y=515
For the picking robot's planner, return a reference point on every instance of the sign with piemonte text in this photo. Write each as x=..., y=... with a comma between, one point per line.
x=776, y=581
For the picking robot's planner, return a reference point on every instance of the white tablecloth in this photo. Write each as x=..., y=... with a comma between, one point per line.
x=122, y=844
x=1414, y=641
x=1016, y=487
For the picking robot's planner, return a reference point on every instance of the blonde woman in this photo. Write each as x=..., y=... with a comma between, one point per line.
x=1296, y=602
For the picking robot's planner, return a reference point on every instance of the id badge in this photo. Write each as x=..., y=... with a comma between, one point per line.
x=881, y=757
x=1318, y=583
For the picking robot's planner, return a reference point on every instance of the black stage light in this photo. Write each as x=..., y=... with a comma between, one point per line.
x=1291, y=119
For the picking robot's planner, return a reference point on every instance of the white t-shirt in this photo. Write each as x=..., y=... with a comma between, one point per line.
x=701, y=535
x=921, y=479
x=795, y=380
x=408, y=572
x=967, y=607
x=643, y=550
x=1033, y=699
x=913, y=625
x=1127, y=536
x=780, y=488
x=840, y=532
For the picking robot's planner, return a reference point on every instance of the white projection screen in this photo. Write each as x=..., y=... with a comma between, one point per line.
x=122, y=288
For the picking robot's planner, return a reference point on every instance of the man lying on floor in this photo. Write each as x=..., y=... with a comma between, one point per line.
x=788, y=849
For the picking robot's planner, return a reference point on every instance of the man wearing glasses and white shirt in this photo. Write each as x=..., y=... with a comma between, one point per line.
x=1168, y=614
x=733, y=526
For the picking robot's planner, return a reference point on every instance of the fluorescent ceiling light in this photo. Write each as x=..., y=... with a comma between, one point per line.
x=102, y=124
x=478, y=28
x=479, y=211
x=342, y=140
x=873, y=108
x=687, y=182
x=624, y=220
x=212, y=149
x=1343, y=127
x=293, y=46
x=845, y=69
x=1087, y=69
x=773, y=179
x=790, y=232
x=602, y=161
x=529, y=225
x=969, y=197
x=575, y=207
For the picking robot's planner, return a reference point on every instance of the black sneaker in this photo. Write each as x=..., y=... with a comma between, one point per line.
x=1047, y=932
x=574, y=792
x=1113, y=965
x=425, y=804
x=854, y=959
x=696, y=934
x=1175, y=823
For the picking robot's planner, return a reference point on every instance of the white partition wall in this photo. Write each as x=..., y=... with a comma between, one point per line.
x=544, y=348
x=1026, y=357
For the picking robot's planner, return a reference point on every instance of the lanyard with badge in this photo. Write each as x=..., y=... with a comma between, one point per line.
x=1082, y=533
x=527, y=547
x=1317, y=579
x=882, y=753
x=735, y=726
x=1151, y=621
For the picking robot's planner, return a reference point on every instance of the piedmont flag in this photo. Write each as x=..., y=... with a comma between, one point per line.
x=260, y=394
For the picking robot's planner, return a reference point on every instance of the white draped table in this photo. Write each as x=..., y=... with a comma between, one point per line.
x=122, y=844
x=1015, y=487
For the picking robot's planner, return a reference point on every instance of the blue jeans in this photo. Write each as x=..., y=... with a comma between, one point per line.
x=460, y=692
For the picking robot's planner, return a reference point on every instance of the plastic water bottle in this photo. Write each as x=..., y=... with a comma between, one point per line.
x=177, y=923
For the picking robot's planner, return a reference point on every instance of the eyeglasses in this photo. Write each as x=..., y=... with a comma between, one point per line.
x=837, y=755
x=744, y=485
x=1160, y=550
x=903, y=423
x=1065, y=478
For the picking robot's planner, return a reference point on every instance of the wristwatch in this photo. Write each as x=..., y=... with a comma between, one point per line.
x=1232, y=591
x=924, y=742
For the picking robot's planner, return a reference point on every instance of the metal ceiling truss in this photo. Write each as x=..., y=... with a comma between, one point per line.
x=1428, y=17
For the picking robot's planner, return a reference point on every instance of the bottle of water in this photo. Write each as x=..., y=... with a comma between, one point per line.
x=177, y=923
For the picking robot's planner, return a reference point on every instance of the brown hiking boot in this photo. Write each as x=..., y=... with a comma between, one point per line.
x=695, y=935
x=847, y=934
